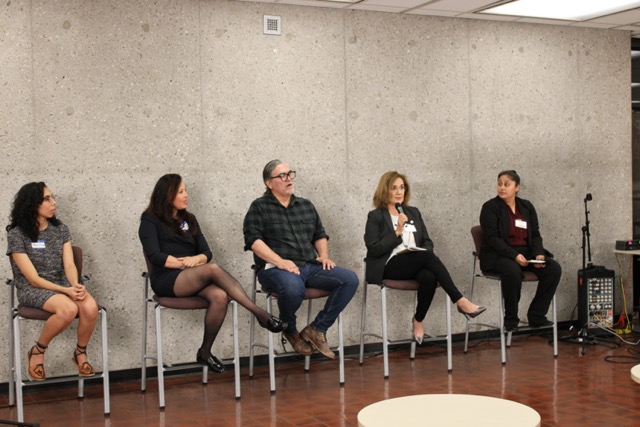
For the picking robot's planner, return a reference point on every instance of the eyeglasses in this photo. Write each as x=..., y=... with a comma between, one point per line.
x=283, y=176
x=48, y=198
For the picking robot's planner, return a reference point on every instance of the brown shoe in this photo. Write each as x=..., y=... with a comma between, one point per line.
x=36, y=372
x=299, y=345
x=84, y=368
x=318, y=340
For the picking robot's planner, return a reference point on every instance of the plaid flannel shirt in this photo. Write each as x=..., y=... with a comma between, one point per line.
x=290, y=232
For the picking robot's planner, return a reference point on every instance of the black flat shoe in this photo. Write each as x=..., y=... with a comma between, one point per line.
x=509, y=327
x=473, y=315
x=274, y=324
x=212, y=362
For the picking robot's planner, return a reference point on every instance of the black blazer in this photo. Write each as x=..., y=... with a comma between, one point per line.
x=380, y=239
x=494, y=221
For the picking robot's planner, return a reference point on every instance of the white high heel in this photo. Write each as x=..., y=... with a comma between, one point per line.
x=417, y=337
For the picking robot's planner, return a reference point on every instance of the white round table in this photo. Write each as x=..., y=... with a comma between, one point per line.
x=448, y=410
x=635, y=373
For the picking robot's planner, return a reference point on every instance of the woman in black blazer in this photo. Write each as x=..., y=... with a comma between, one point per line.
x=399, y=247
x=511, y=240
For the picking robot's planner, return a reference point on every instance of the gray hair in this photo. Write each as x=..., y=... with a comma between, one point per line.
x=268, y=170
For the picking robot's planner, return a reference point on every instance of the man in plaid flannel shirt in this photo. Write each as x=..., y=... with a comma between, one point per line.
x=291, y=253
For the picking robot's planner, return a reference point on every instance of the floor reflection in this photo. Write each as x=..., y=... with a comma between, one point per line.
x=573, y=389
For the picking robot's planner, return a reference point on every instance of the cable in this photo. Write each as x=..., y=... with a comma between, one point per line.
x=627, y=327
x=596, y=325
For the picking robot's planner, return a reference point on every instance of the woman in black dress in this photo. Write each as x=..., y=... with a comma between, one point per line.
x=179, y=255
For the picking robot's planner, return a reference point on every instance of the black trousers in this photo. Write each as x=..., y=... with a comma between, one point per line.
x=511, y=279
x=427, y=269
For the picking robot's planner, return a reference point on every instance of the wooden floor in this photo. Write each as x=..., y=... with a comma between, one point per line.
x=594, y=389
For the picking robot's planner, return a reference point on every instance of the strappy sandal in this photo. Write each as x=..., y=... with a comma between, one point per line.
x=36, y=373
x=84, y=369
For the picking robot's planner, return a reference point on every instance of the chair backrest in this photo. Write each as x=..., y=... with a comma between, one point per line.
x=146, y=260
x=77, y=258
x=478, y=237
x=38, y=313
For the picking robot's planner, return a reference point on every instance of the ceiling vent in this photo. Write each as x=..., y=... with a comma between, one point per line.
x=272, y=25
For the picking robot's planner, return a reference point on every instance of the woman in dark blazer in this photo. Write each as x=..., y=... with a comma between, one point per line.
x=399, y=247
x=511, y=241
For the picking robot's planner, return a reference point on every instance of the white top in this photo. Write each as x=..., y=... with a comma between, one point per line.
x=408, y=237
x=448, y=410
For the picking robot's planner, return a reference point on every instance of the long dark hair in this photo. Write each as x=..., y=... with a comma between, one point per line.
x=24, y=211
x=161, y=204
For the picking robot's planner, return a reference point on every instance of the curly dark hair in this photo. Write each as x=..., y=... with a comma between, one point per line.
x=24, y=212
x=161, y=205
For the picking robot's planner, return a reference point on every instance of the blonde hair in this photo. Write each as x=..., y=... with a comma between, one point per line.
x=381, y=195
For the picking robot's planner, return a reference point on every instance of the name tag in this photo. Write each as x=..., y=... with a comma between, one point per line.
x=184, y=226
x=410, y=228
x=521, y=224
x=38, y=245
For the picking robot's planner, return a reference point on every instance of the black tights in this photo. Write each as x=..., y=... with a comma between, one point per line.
x=213, y=283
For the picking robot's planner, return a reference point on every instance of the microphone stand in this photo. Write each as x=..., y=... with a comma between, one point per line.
x=583, y=334
x=583, y=337
x=586, y=235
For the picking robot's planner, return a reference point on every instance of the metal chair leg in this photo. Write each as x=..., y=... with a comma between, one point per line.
x=341, y=349
x=555, y=326
x=236, y=348
x=307, y=359
x=448, y=303
x=144, y=356
x=12, y=358
x=503, y=350
x=272, y=356
x=18, y=371
x=159, y=357
x=363, y=322
x=385, y=338
x=105, y=363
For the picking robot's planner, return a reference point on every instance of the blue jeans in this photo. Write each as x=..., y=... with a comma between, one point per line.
x=340, y=282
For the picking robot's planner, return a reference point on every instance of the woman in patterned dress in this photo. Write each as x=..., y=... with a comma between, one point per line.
x=46, y=277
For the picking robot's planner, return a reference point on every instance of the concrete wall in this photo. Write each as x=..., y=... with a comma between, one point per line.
x=99, y=99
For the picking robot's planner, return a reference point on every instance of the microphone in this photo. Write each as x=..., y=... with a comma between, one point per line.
x=399, y=209
x=587, y=197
